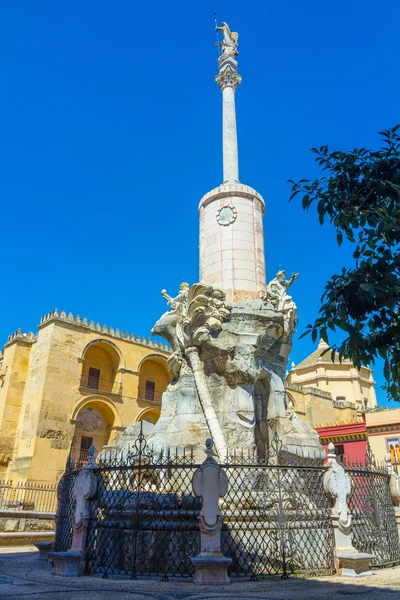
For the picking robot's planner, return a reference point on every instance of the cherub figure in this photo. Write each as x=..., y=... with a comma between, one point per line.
x=276, y=294
x=179, y=303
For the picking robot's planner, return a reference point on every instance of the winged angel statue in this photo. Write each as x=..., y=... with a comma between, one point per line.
x=230, y=41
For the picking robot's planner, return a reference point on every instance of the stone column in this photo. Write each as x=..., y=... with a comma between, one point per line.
x=228, y=79
x=211, y=483
x=72, y=562
x=337, y=485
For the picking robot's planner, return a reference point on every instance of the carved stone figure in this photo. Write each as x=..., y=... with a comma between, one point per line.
x=228, y=362
x=179, y=303
x=229, y=42
x=276, y=294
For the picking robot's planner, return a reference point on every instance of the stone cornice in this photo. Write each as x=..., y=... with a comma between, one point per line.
x=308, y=390
x=342, y=376
x=226, y=190
x=55, y=316
x=377, y=429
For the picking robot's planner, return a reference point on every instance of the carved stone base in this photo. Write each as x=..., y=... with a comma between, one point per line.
x=211, y=569
x=355, y=564
x=44, y=549
x=67, y=564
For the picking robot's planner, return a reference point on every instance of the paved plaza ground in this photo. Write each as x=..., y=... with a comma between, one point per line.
x=22, y=576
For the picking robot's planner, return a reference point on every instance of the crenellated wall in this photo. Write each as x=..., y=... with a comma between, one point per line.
x=45, y=384
x=62, y=316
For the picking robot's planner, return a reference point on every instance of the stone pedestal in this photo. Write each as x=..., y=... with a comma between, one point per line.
x=72, y=562
x=67, y=564
x=44, y=549
x=354, y=564
x=337, y=485
x=232, y=241
x=211, y=569
x=211, y=483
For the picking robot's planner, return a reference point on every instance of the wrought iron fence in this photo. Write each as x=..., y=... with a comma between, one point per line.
x=143, y=518
x=374, y=528
x=28, y=495
x=277, y=520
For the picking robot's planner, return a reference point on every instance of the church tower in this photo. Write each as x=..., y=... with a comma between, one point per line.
x=231, y=228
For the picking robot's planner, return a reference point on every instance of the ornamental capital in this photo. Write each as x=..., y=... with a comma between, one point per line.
x=228, y=77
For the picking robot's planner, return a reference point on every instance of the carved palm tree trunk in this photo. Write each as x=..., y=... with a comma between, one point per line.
x=206, y=401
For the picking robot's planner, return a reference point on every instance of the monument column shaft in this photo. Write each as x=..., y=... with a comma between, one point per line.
x=229, y=135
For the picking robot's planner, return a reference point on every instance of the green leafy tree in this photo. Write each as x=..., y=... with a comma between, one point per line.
x=359, y=192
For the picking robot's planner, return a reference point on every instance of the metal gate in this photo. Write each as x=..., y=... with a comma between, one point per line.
x=374, y=528
x=143, y=518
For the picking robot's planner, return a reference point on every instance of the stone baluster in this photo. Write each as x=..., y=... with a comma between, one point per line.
x=72, y=562
x=394, y=489
x=211, y=483
x=337, y=486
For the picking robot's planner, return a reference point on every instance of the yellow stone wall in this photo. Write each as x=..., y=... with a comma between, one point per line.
x=383, y=426
x=317, y=407
x=46, y=386
x=14, y=370
x=340, y=380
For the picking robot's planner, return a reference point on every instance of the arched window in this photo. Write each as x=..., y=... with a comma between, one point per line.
x=393, y=448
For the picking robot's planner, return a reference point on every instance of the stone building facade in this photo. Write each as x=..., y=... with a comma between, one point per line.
x=72, y=384
x=340, y=403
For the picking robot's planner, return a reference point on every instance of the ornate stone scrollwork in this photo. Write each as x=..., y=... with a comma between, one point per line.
x=337, y=485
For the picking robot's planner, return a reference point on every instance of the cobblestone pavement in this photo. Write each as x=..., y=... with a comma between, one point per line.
x=22, y=576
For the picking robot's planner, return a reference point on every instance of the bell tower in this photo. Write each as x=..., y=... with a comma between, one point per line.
x=231, y=228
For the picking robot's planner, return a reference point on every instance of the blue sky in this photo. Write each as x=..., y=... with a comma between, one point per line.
x=111, y=133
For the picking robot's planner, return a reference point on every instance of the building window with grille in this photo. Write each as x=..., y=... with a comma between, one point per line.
x=86, y=442
x=339, y=451
x=150, y=390
x=93, y=378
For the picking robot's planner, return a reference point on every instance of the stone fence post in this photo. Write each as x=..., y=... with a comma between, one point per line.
x=337, y=486
x=72, y=562
x=211, y=483
x=394, y=490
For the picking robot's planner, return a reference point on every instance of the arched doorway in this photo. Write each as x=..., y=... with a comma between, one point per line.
x=93, y=423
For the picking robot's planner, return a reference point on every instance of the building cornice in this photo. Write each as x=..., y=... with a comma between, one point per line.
x=77, y=322
x=342, y=376
x=350, y=437
x=232, y=189
x=378, y=429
